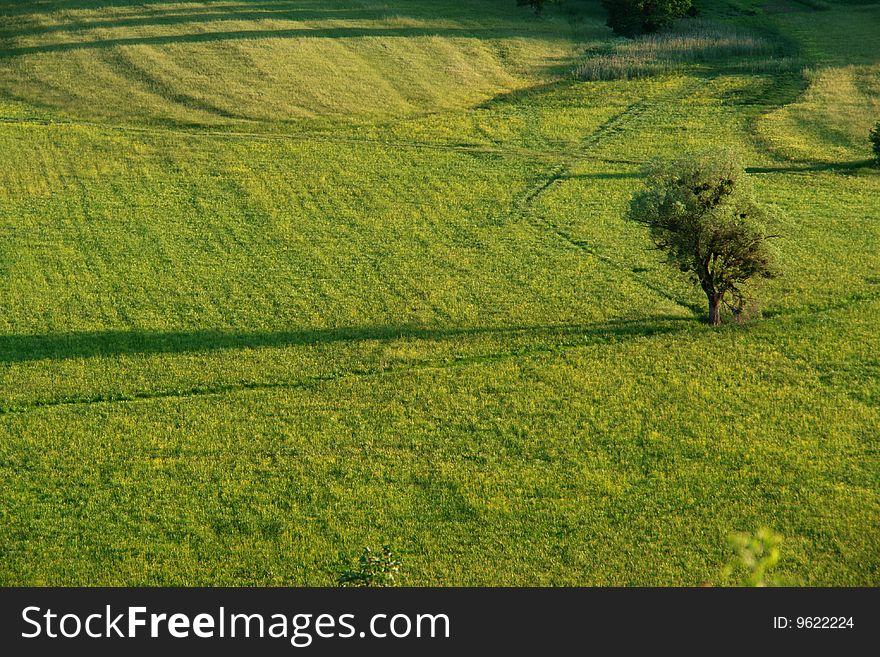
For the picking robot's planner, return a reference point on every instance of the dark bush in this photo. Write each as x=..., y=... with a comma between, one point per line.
x=631, y=17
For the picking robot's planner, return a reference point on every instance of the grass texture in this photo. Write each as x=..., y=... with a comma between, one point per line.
x=279, y=280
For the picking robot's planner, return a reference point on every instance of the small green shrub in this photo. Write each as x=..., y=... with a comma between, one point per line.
x=875, y=142
x=372, y=570
x=756, y=555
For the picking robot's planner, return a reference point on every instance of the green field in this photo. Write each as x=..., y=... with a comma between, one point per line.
x=282, y=279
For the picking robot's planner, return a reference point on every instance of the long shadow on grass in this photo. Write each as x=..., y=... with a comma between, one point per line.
x=195, y=15
x=819, y=166
x=37, y=7
x=65, y=346
x=294, y=33
x=604, y=175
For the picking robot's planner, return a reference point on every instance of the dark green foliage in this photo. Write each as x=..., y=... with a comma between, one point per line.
x=875, y=142
x=372, y=570
x=630, y=17
x=701, y=213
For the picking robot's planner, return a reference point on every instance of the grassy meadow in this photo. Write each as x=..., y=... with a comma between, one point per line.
x=282, y=279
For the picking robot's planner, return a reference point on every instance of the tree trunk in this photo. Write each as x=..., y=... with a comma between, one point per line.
x=714, y=309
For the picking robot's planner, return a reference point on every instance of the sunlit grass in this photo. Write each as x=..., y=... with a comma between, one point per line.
x=269, y=298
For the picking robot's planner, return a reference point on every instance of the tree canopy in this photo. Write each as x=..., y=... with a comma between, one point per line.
x=701, y=212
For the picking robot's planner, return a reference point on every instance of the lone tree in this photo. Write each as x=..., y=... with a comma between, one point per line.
x=701, y=213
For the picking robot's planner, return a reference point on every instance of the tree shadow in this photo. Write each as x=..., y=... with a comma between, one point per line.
x=816, y=166
x=531, y=95
x=11, y=8
x=91, y=344
x=604, y=175
x=208, y=37
x=200, y=14
x=81, y=32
